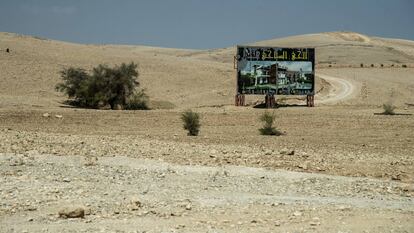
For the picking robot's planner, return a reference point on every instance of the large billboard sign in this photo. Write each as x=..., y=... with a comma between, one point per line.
x=272, y=70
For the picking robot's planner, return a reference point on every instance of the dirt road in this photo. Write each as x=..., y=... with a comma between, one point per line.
x=341, y=89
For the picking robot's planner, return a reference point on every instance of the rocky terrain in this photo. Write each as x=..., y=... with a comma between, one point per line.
x=121, y=194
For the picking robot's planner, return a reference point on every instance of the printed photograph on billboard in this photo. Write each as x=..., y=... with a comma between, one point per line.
x=279, y=71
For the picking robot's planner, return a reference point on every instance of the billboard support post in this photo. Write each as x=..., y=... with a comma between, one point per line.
x=270, y=101
x=239, y=99
x=310, y=101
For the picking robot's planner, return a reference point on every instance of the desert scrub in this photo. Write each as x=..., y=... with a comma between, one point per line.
x=268, y=121
x=388, y=109
x=137, y=101
x=191, y=121
x=105, y=87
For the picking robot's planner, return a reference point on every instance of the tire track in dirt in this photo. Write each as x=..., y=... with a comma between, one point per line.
x=341, y=90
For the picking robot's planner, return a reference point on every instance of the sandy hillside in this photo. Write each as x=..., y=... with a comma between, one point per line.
x=195, y=78
x=339, y=167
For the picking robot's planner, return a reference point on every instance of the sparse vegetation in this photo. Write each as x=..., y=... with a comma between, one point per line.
x=268, y=121
x=388, y=109
x=138, y=100
x=114, y=88
x=191, y=122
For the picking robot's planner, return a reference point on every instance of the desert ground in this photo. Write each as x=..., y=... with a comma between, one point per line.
x=339, y=167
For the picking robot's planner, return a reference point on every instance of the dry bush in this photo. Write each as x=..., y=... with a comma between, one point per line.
x=388, y=109
x=191, y=122
x=268, y=121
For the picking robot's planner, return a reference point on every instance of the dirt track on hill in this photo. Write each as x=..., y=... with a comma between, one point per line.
x=340, y=90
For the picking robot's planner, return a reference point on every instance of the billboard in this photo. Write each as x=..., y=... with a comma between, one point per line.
x=273, y=70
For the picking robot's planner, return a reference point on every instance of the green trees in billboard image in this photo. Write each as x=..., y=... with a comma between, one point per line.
x=268, y=120
x=191, y=122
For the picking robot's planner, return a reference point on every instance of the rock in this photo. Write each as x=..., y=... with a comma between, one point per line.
x=314, y=223
x=88, y=211
x=344, y=208
x=408, y=188
x=32, y=153
x=105, y=107
x=268, y=152
x=31, y=208
x=297, y=214
x=180, y=226
x=134, y=204
x=304, y=166
x=188, y=206
x=67, y=180
x=91, y=161
x=118, y=107
x=72, y=212
x=17, y=162
x=396, y=177
x=59, y=116
x=46, y=115
x=320, y=169
x=287, y=152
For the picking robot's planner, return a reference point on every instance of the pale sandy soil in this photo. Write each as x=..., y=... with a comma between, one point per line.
x=350, y=170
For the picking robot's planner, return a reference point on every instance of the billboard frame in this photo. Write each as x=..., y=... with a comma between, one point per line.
x=269, y=98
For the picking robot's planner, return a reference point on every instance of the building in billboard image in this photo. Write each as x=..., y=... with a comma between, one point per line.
x=282, y=78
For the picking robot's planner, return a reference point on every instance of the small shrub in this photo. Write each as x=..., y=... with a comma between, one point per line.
x=404, y=66
x=362, y=65
x=268, y=129
x=137, y=101
x=372, y=65
x=382, y=65
x=191, y=122
x=388, y=109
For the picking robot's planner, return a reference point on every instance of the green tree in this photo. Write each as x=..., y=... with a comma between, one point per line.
x=117, y=87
